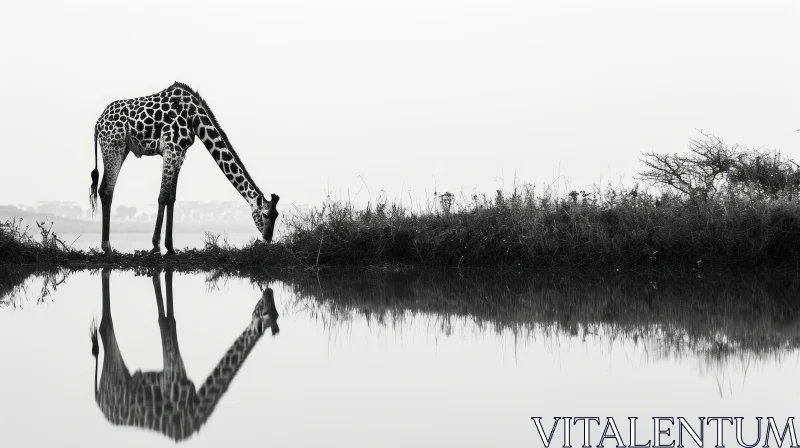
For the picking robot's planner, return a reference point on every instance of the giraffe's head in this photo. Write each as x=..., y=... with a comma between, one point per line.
x=265, y=215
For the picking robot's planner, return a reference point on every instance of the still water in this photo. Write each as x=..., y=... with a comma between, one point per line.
x=374, y=359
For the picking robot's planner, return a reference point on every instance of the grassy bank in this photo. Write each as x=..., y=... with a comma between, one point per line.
x=18, y=246
x=627, y=229
x=717, y=206
x=621, y=229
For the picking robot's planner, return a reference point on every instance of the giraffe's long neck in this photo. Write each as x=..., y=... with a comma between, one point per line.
x=216, y=142
x=218, y=381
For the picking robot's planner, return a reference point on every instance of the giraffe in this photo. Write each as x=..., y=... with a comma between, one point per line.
x=167, y=401
x=166, y=124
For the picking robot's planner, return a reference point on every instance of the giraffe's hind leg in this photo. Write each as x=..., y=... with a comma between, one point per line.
x=114, y=155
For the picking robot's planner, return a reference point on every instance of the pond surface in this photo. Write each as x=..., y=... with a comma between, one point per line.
x=373, y=359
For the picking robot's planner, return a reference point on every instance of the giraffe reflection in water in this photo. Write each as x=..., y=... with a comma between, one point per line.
x=167, y=401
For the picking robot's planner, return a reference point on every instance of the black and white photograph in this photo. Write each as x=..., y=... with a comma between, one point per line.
x=400, y=223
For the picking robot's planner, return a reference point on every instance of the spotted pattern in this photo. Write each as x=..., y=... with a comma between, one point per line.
x=167, y=401
x=166, y=124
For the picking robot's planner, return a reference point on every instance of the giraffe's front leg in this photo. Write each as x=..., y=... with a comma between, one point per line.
x=168, y=232
x=163, y=203
x=174, y=368
x=157, y=233
x=173, y=159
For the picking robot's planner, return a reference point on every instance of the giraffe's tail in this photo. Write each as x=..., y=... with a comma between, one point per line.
x=93, y=336
x=95, y=351
x=95, y=177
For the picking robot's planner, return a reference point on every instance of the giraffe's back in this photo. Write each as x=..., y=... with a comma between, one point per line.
x=146, y=123
x=151, y=400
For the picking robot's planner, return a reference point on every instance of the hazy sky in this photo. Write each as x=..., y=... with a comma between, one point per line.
x=407, y=95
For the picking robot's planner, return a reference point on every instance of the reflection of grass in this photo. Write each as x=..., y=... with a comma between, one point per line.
x=717, y=314
x=713, y=313
x=13, y=279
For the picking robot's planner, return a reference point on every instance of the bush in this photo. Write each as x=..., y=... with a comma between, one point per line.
x=711, y=167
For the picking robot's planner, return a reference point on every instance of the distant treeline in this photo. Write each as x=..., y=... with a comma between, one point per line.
x=184, y=210
x=68, y=217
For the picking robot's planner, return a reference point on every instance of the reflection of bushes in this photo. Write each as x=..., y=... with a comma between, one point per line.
x=717, y=314
x=714, y=313
x=13, y=278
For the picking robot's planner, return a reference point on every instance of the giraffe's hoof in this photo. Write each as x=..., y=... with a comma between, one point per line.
x=106, y=246
x=170, y=252
x=155, y=251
